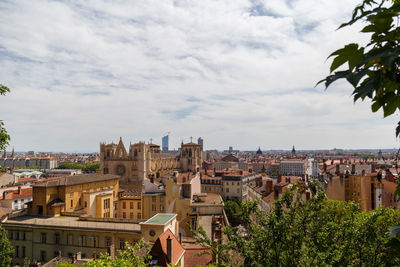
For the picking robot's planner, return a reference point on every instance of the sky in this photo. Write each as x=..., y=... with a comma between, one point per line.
x=237, y=73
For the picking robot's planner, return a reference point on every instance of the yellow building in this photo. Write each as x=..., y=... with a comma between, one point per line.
x=91, y=194
x=184, y=197
x=129, y=206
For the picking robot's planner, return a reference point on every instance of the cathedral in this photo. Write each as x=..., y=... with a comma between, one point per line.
x=146, y=161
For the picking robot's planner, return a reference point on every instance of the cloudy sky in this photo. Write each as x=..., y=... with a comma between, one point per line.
x=235, y=72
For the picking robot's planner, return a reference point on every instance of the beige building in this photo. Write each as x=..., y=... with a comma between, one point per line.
x=370, y=191
x=43, y=238
x=146, y=161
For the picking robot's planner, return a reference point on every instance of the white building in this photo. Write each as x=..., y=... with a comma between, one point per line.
x=293, y=167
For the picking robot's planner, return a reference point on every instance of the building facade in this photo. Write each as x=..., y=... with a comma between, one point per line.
x=146, y=161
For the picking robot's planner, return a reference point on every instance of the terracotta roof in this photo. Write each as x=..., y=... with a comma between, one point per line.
x=159, y=249
x=196, y=255
x=13, y=194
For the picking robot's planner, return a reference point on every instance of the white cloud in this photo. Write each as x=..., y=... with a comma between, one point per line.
x=238, y=73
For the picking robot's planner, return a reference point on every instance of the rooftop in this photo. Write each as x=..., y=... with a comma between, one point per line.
x=71, y=222
x=160, y=219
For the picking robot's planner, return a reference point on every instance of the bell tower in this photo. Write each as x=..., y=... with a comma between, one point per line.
x=190, y=158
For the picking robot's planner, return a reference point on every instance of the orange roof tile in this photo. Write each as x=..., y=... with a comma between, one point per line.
x=160, y=249
x=13, y=194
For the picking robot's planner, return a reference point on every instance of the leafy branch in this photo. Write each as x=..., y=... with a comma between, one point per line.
x=373, y=70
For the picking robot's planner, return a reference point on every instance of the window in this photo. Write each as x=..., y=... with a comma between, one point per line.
x=106, y=203
x=23, y=252
x=121, y=244
x=139, y=205
x=23, y=235
x=17, y=251
x=153, y=199
x=82, y=240
x=124, y=205
x=161, y=208
x=85, y=204
x=227, y=190
x=57, y=238
x=124, y=215
x=16, y=235
x=69, y=239
x=131, y=205
x=131, y=215
x=153, y=207
x=95, y=242
x=108, y=242
x=139, y=215
x=43, y=256
x=43, y=238
x=72, y=203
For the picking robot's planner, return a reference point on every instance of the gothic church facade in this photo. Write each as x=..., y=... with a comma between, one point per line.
x=146, y=161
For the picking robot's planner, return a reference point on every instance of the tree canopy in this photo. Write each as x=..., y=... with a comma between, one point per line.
x=374, y=69
x=317, y=232
x=132, y=256
x=6, y=249
x=4, y=137
x=90, y=167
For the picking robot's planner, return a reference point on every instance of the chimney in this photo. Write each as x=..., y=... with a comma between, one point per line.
x=169, y=249
x=19, y=190
x=269, y=187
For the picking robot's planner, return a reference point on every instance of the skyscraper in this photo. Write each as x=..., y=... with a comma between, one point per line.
x=165, y=141
x=200, y=142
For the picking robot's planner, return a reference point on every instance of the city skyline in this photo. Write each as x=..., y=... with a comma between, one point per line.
x=238, y=74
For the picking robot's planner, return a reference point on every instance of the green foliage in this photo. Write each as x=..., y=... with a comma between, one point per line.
x=90, y=167
x=316, y=232
x=130, y=257
x=6, y=249
x=233, y=212
x=4, y=137
x=373, y=70
x=219, y=251
x=238, y=212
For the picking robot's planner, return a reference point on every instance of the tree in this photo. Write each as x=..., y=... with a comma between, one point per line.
x=373, y=70
x=219, y=251
x=6, y=249
x=316, y=232
x=4, y=137
x=90, y=167
x=133, y=256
